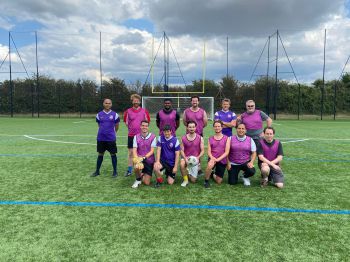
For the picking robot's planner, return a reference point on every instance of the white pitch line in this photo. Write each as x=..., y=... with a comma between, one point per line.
x=61, y=142
x=294, y=141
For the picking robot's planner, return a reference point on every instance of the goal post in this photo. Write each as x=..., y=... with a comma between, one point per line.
x=155, y=103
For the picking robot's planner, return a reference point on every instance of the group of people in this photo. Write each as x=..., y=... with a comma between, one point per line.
x=225, y=150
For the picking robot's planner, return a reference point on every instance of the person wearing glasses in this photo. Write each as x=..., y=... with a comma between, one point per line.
x=253, y=120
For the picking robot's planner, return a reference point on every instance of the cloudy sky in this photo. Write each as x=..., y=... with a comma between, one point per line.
x=68, y=34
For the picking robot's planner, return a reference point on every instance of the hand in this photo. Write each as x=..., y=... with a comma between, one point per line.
x=276, y=167
x=175, y=170
x=228, y=166
x=250, y=164
x=157, y=165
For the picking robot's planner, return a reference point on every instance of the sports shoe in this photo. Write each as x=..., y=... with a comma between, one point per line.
x=95, y=174
x=157, y=185
x=184, y=183
x=128, y=173
x=115, y=174
x=136, y=184
x=246, y=181
x=206, y=184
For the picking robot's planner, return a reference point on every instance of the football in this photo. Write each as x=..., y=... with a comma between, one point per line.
x=192, y=161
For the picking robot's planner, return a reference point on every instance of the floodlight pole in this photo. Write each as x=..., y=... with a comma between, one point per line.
x=267, y=78
x=11, y=84
x=227, y=57
x=276, y=82
x=101, y=95
x=37, y=73
x=166, y=64
x=324, y=67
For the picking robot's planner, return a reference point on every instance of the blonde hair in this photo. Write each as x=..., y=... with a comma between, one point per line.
x=135, y=96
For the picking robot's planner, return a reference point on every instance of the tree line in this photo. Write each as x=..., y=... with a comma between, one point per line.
x=52, y=96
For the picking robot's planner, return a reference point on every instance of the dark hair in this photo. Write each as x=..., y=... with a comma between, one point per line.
x=144, y=121
x=191, y=122
x=166, y=128
x=217, y=121
x=226, y=100
x=269, y=127
x=106, y=99
x=194, y=97
x=168, y=99
x=238, y=124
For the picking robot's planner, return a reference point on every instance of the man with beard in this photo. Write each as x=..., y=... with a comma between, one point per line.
x=168, y=116
x=133, y=118
x=196, y=114
x=192, y=144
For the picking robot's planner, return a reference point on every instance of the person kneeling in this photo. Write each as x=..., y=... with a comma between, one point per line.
x=270, y=155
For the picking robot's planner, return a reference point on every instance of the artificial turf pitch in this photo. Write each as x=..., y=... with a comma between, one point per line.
x=52, y=163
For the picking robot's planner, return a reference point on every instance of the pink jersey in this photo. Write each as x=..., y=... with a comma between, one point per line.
x=252, y=121
x=197, y=117
x=167, y=119
x=240, y=151
x=192, y=148
x=218, y=147
x=144, y=145
x=133, y=118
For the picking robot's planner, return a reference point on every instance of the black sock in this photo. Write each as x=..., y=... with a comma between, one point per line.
x=206, y=180
x=139, y=178
x=114, y=163
x=99, y=163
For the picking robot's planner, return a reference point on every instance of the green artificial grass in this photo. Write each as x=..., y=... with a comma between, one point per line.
x=317, y=177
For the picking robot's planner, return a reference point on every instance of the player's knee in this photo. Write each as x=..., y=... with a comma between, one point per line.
x=279, y=185
x=265, y=170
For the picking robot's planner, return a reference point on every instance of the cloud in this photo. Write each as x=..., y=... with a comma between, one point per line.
x=240, y=17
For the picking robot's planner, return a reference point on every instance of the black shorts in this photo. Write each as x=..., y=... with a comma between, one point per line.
x=168, y=169
x=110, y=146
x=147, y=168
x=220, y=169
x=130, y=141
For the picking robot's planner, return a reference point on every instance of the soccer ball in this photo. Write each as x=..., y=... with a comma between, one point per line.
x=192, y=161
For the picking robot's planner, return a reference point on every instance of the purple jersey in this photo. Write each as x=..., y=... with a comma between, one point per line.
x=106, y=125
x=197, y=117
x=192, y=147
x=144, y=145
x=252, y=121
x=168, y=149
x=218, y=147
x=133, y=118
x=240, y=150
x=225, y=116
x=167, y=119
x=270, y=152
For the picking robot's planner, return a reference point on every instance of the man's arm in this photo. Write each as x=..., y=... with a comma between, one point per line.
x=202, y=149
x=205, y=119
x=158, y=120
x=184, y=118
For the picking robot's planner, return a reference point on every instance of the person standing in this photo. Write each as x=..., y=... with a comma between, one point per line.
x=241, y=157
x=270, y=154
x=168, y=116
x=132, y=118
x=192, y=144
x=218, y=149
x=196, y=114
x=143, y=147
x=108, y=124
x=253, y=120
x=227, y=117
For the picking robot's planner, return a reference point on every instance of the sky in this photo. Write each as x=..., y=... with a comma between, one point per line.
x=202, y=36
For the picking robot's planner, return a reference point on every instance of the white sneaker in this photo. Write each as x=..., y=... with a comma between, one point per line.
x=184, y=183
x=136, y=184
x=246, y=181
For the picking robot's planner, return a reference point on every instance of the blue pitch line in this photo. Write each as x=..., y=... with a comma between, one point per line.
x=179, y=206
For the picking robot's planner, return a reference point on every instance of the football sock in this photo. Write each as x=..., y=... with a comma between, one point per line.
x=114, y=163
x=129, y=169
x=99, y=163
x=159, y=179
x=206, y=180
x=139, y=178
x=185, y=178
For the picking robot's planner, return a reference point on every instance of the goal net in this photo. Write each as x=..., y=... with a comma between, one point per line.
x=154, y=104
